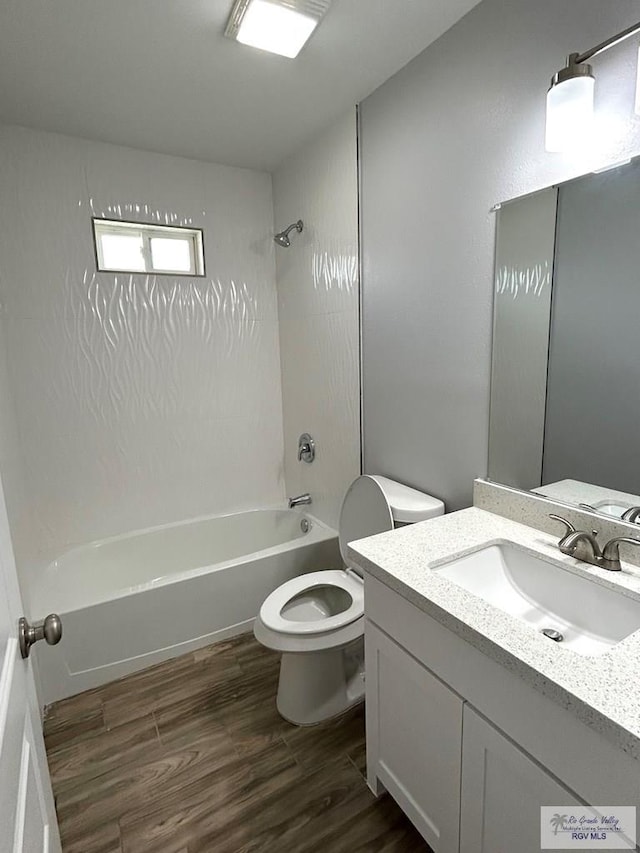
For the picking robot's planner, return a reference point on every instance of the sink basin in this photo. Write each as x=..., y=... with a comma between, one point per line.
x=611, y=507
x=590, y=617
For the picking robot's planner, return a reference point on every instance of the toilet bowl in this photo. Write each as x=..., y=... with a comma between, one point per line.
x=317, y=620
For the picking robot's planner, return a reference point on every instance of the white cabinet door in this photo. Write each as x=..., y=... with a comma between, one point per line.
x=502, y=791
x=414, y=733
x=27, y=814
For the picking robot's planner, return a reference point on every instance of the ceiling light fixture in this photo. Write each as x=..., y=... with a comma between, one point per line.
x=571, y=96
x=278, y=26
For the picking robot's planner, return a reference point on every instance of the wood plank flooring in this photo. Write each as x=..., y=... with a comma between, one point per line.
x=191, y=756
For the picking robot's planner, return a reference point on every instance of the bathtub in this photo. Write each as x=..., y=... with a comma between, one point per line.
x=135, y=600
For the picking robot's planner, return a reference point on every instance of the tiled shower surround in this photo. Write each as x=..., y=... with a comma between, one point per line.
x=137, y=399
x=318, y=313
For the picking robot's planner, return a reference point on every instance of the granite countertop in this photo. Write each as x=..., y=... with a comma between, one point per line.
x=576, y=492
x=603, y=691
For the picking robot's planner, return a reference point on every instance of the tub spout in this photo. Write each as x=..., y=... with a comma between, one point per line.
x=300, y=500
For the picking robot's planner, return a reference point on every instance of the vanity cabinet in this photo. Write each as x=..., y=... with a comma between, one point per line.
x=468, y=749
x=502, y=791
x=415, y=747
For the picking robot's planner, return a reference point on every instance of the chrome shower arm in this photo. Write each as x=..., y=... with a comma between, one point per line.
x=282, y=237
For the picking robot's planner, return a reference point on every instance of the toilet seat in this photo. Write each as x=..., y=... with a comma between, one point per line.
x=274, y=604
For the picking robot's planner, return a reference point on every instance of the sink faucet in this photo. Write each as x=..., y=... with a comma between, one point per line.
x=611, y=554
x=578, y=543
x=300, y=500
x=632, y=514
x=584, y=546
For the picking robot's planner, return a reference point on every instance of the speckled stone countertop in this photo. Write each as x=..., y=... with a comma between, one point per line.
x=576, y=492
x=603, y=691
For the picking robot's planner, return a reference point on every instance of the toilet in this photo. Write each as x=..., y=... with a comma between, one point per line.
x=317, y=620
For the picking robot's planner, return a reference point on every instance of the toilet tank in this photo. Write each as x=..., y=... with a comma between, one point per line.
x=408, y=505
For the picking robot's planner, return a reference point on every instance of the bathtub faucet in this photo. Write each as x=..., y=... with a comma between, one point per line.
x=300, y=500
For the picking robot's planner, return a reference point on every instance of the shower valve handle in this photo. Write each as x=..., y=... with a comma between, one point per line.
x=306, y=448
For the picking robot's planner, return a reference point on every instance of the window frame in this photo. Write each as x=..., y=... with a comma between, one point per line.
x=149, y=230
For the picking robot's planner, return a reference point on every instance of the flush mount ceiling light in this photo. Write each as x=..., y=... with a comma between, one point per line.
x=570, y=97
x=278, y=26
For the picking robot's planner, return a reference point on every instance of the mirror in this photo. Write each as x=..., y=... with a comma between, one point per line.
x=565, y=380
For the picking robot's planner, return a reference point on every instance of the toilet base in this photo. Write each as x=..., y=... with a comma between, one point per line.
x=316, y=686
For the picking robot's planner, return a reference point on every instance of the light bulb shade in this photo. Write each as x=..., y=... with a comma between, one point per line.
x=569, y=112
x=277, y=29
x=277, y=26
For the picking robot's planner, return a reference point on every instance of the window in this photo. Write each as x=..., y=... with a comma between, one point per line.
x=136, y=247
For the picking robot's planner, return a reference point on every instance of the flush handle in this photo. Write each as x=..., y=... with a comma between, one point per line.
x=50, y=630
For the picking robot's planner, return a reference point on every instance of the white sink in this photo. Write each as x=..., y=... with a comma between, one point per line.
x=591, y=617
x=611, y=507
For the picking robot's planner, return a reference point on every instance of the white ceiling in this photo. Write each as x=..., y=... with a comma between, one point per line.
x=159, y=75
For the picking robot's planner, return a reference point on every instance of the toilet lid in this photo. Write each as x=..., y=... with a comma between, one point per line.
x=365, y=512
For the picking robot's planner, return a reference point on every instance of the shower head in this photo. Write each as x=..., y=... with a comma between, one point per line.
x=282, y=239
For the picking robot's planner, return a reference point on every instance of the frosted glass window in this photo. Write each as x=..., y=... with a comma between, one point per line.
x=169, y=254
x=122, y=252
x=139, y=247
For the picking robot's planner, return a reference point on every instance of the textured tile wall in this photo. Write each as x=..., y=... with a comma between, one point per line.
x=139, y=399
x=318, y=311
x=12, y=464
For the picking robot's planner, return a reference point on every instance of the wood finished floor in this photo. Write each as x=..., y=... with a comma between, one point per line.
x=191, y=756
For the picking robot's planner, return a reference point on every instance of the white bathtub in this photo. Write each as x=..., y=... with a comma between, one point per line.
x=141, y=598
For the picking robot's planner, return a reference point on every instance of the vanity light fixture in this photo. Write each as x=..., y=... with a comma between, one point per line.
x=278, y=26
x=570, y=96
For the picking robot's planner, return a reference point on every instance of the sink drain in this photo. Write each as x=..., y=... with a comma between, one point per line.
x=552, y=634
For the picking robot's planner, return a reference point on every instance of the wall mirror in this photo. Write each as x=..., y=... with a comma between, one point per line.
x=565, y=379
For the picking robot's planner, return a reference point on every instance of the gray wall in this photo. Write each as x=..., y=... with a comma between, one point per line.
x=593, y=394
x=457, y=130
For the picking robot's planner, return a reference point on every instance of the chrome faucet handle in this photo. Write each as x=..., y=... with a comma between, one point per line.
x=589, y=507
x=611, y=552
x=568, y=525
